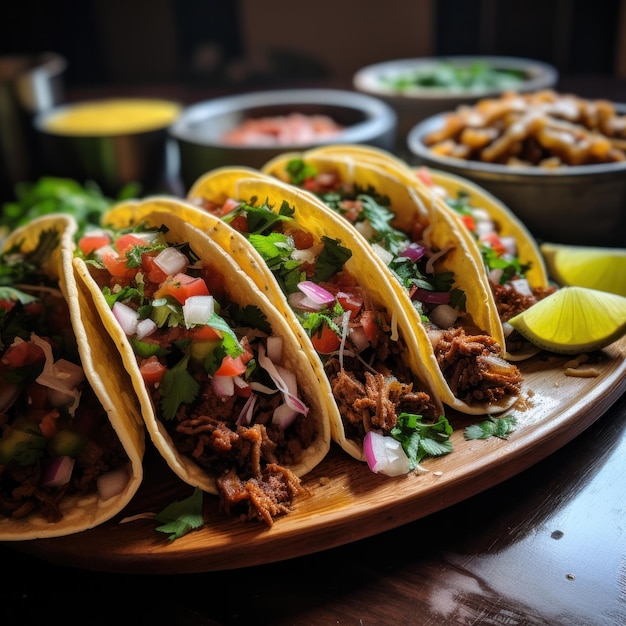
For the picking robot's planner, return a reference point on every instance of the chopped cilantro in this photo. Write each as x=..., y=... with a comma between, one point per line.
x=182, y=516
x=177, y=387
x=491, y=427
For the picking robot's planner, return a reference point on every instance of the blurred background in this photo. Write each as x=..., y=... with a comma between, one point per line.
x=197, y=45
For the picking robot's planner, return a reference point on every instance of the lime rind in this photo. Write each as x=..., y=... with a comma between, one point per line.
x=573, y=320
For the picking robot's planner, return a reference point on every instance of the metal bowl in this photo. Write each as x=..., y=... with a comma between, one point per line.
x=416, y=104
x=199, y=130
x=111, y=159
x=579, y=205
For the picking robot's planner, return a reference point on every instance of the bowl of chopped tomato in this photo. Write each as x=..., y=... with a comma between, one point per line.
x=252, y=128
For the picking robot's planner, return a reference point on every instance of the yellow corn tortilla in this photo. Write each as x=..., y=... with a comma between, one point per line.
x=239, y=288
x=316, y=218
x=408, y=203
x=105, y=375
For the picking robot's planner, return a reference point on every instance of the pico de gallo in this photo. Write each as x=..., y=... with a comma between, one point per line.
x=211, y=365
x=55, y=437
x=377, y=395
x=470, y=360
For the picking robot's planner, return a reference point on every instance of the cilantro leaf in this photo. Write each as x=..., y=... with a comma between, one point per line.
x=491, y=427
x=182, y=516
x=177, y=387
x=420, y=440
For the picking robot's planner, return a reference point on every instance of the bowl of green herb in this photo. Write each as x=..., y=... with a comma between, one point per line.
x=421, y=87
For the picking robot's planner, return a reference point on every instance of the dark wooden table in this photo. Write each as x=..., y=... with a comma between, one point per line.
x=547, y=547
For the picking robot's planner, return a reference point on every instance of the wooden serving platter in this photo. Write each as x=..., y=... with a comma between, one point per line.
x=348, y=502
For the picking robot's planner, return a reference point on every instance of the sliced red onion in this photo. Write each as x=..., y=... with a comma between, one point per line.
x=358, y=338
x=198, y=310
x=126, y=317
x=300, y=301
x=431, y=297
x=414, y=252
x=245, y=415
x=315, y=292
x=443, y=316
x=171, y=261
x=285, y=383
x=112, y=483
x=223, y=385
x=62, y=376
x=385, y=455
x=58, y=472
x=284, y=415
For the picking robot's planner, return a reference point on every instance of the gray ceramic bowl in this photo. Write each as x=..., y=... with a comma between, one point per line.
x=579, y=205
x=200, y=128
x=417, y=103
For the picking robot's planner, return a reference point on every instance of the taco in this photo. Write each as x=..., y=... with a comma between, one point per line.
x=436, y=273
x=515, y=267
x=229, y=398
x=71, y=450
x=376, y=385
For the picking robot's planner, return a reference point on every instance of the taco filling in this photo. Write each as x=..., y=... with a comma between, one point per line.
x=364, y=357
x=212, y=368
x=471, y=361
x=56, y=439
x=508, y=278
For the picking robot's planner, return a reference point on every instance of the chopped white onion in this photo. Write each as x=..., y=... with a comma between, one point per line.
x=126, y=317
x=223, y=385
x=145, y=328
x=384, y=255
x=284, y=415
x=443, y=316
x=366, y=229
x=112, y=483
x=510, y=245
x=171, y=261
x=522, y=287
x=385, y=455
x=198, y=310
x=358, y=338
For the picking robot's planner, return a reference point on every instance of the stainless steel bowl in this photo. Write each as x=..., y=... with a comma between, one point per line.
x=416, y=104
x=199, y=129
x=579, y=205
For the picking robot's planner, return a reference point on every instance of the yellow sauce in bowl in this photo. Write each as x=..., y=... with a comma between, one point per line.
x=112, y=117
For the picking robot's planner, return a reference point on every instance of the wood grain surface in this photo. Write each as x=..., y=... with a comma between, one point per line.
x=347, y=501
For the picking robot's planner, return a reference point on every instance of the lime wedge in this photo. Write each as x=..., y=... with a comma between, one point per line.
x=586, y=266
x=573, y=320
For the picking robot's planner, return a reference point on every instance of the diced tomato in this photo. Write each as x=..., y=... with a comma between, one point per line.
x=49, y=424
x=243, y=392
x=215, y=282
x=116, y=265
x=89, y=243
x=302, y=240
x=127, y=242
x=424, y=175
x=469, y=222
x=417, y=230
x=152, y=370
x=204, y=333
x=181, y=287
x=22, y=353
x=369, y=324
x=37, y=395
x=350, y=302
x=7, y=305
x=150, y=269
x=240, y=223
x=325, y=340
x=231, y=366
x=229, y=205
x=494, y=241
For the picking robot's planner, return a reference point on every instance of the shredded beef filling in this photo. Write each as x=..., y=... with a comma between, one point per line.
x=474, y=369
x=247, y=458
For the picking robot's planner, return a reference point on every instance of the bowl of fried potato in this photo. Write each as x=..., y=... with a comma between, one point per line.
x=557, y=160
x=420, y=87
